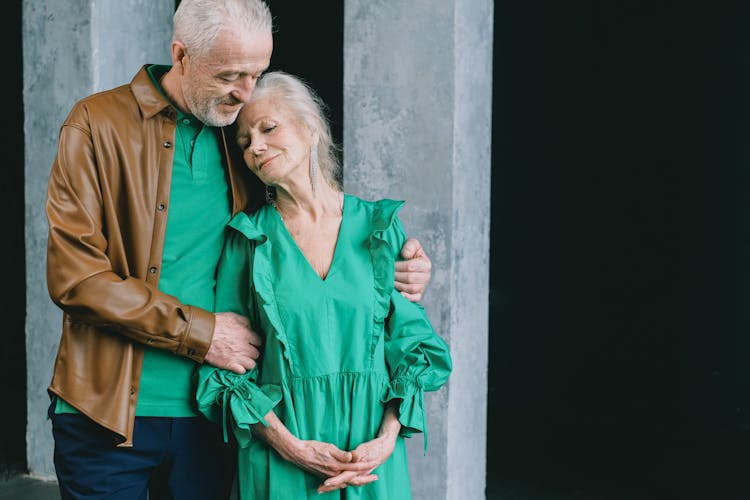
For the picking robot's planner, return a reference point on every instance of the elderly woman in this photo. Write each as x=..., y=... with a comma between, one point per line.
x=347, y=358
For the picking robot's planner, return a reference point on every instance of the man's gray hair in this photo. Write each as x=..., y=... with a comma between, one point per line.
x=304, y=105
x=196, y=23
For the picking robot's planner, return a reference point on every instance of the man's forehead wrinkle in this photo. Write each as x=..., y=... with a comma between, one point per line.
x=215, y=65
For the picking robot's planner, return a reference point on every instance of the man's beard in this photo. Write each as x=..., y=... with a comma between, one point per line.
x=207, y=110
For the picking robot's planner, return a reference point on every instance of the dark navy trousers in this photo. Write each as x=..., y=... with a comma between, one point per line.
x=171, y=458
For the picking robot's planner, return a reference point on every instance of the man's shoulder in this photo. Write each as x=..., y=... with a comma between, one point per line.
x=106, y=97
x=103, y=104
x=118, y=103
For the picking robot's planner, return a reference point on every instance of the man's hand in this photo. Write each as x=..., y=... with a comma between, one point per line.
x=413, y=274
x=234, y=345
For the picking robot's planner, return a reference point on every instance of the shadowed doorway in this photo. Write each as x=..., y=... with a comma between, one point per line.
x=619, y=345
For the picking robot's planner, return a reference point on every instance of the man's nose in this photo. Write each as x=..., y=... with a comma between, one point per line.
x=244, y=89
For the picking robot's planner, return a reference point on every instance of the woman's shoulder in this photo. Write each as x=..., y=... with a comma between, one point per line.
x=380, y=211
x=252, y=225
x=380, y=217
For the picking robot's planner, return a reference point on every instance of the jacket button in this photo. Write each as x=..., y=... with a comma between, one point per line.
x=132, y=390
x=161, y=207
x=149, y=340
x=191, y=352
x=152, y=270
x=167, y=144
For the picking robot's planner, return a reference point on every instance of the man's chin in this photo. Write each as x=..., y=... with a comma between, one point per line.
x=216, y=119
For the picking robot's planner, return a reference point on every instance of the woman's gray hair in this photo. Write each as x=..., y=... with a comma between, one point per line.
x=197, y=23
x=303, y=103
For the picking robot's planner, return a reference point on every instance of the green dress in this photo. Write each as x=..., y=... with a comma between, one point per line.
x=336, y=349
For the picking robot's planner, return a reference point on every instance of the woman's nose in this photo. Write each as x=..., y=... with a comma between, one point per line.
x=258, y=147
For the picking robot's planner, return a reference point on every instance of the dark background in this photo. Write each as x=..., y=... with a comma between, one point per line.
x=13, y=294
x=619, y=335
x=619, y=359
x=308, y=42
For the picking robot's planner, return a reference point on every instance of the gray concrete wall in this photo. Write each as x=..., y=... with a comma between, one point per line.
x=417, y=126
x=71, y=48
x=469, y=295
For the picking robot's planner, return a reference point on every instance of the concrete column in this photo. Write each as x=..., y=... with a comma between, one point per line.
x=70, y=49
x=417, y=120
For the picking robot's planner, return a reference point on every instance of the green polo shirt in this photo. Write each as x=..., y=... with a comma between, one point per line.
x=198, y=213
x=198, y=210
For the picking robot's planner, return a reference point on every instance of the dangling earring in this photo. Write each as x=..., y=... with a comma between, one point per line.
x=269, y=195
x=314, y=167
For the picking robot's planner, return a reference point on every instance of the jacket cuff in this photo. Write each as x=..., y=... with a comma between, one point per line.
x=200, y=332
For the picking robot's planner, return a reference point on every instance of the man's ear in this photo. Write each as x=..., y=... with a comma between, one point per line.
x=179, y=56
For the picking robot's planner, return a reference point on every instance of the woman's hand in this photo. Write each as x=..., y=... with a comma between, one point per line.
x=324, y=459
x=316, y=457
x=369, y=455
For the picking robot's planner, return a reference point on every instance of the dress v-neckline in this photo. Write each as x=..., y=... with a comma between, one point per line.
x=293, y=242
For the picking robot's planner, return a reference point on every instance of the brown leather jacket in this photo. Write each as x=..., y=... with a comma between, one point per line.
x=107, y=206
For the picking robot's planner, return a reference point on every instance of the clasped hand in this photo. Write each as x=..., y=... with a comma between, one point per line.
x=344, y=468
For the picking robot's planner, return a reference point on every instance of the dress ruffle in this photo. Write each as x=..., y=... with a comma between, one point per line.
x=385, y=242
x=262, y=277
x=382, y=241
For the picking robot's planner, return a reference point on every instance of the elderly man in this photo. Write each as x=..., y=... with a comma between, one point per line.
x=143, y=183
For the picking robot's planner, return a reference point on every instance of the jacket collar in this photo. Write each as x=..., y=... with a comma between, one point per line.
x=149, y=99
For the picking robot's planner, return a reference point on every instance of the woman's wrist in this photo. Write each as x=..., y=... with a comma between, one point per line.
x=286, y=445
x=278, y=437
x=390, y=427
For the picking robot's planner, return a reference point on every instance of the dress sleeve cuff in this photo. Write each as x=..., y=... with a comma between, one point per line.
x=234, y=401
x=411, y=412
